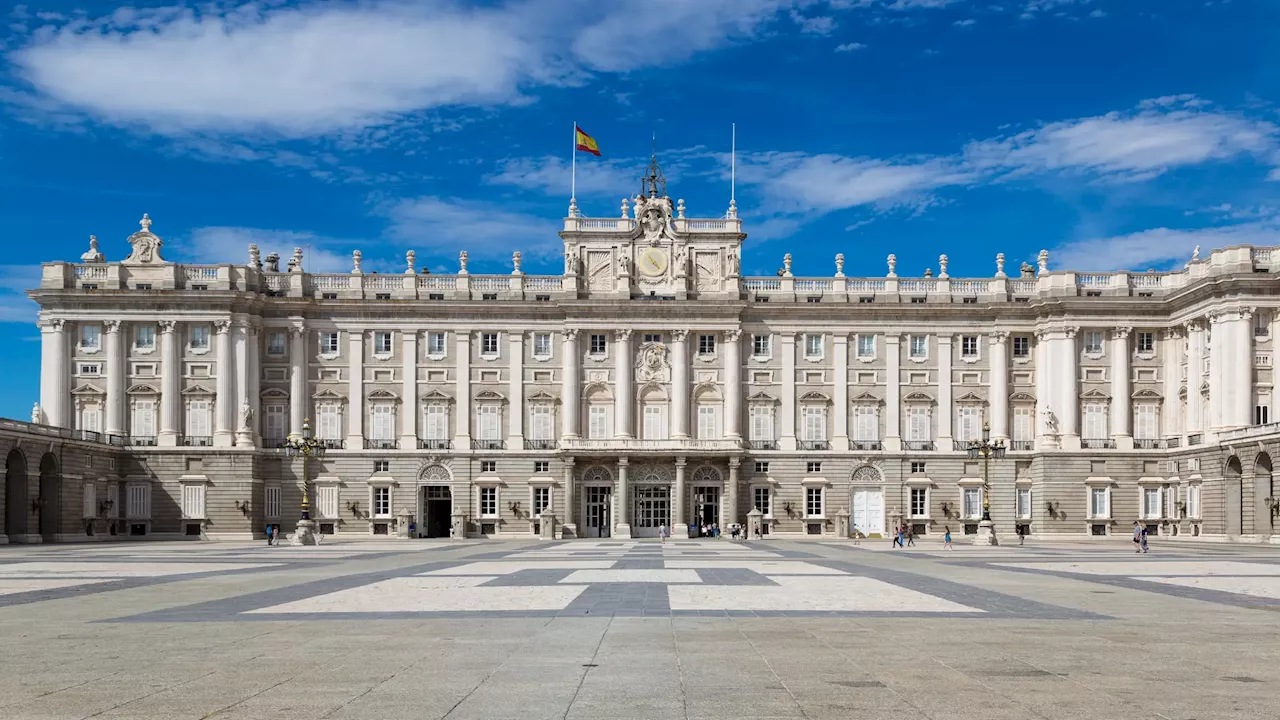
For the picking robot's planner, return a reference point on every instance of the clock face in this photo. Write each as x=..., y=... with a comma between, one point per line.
x=652, y=262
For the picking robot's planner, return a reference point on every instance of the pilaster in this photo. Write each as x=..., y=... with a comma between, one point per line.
x=570, y=385
x=1121, y=431
x=733, y=385
x=679, y=526
x=624, y=394
x=1067, y=380
x=298, y=391
x=515, y=391
x=239, y=418
x=680, y=384
x=840, y=441
x=787, y=422
x=893, y=393
x=946, y=405
x=998, y=345
x=570, y=527
x=115, y=379
x=170, y=391
x=733, y=517
x=409, y=391
x=355, y=389
x=462, y=388
x=623, y=502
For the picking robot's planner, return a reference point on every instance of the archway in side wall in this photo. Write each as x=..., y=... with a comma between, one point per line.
x=1262, y=489
x=1233, y=496
x=50, y=496
x=15, y=495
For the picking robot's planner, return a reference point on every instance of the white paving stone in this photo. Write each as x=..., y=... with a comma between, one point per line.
x=421, y=594
x=119, y=569
x=764, y=567
x=1142, y=566
x=10, y=586
x=1257, y=586
x=502, y=567
x=841, y=594
x=624, y=576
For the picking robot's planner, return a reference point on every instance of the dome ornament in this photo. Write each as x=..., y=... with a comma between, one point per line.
x=93, y=255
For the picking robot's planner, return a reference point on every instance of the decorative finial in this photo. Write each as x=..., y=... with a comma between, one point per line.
x=573, y=207
x=255, y=258
x=942, y=266
x=1195, y=254
x=654, y=183
x=462, y=263
x=624, y=209
x=839, y=264
x=786, y=265
x=893, y=265
x=295, y=263
x=410, y=259
x=733, y=211
x=680, y=209
x=1000, y=265
x=515, y=263
x=145, y=222
x=92, y=256
x=356, y=256
x=1043, y=260
x=928, y=272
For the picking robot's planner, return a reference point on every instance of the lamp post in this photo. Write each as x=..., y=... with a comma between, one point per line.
x=306, y=446
x=986, y=448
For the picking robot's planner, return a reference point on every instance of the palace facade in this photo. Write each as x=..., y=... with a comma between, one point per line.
x=649, y=383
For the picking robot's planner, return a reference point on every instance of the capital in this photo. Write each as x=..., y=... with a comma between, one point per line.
x=1070, y=332
x=1121, y=333
x=622, y=334
x=167, y=326
x=999, y=337
x=571, y=333
x=732, y=335
x=679, y=335
x=53, y=325
x=111, y=326
x=221, y=326
x=297, y=329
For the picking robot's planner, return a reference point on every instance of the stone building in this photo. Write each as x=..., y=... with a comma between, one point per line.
x=649, y=383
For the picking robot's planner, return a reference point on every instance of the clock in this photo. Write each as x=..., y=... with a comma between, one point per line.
x=652, y=262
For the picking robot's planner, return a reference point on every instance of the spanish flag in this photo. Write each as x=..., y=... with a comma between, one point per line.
x=586, y=143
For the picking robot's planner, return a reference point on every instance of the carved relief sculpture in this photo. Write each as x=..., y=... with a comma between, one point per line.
x=146, y=246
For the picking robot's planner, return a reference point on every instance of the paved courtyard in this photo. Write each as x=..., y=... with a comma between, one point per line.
x=636, y=629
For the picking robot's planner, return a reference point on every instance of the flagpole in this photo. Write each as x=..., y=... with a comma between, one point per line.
x=573, y=175
x=733, y=161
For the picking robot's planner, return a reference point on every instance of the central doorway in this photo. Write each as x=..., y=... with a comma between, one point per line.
x=597, y=504
x=706, y=505
x=652, y=509
x=437, y=507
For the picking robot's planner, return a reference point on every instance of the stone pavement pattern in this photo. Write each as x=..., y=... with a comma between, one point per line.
x=637, y=629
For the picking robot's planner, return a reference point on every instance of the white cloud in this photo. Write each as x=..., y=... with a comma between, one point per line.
x=1160, y=248
x=551, y=175
x=231, y=245
x=484, y=230
x=815, y=25
x=850, y=47
x=968, y=22
x=15, y=281
x=798, y=183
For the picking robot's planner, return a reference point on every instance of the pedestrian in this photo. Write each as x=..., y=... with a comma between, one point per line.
x=662, y=533
x=946, y=538
x=1022, y=534
x=1144, y=539
x=268, y=534
x=897, y=538
x=857, y=536
x=413, y=529
x=1137, y=537
x=911, y=536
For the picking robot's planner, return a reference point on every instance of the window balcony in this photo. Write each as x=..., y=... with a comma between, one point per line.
x=1195, y=439
x=488, y=445
x=273, y=443
x=918, y=445
x=434, y=444
x=197, y=441
x=1022, y=445
x=960, y=445
x=142, y=440
x=1098, y=444
x=815, y=445
x=332, y=444
x=764, y=444
x=868, y=445
x=372, y=444
x=1173, y=442
x=539, y=444
x=1147, y=444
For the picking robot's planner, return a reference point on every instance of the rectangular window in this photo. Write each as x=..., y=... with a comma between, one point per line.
x=144, y=337
x=542, y=345
x=1146, y=421
x=972, y=503
x=542, y=466
x=653, y=426
x=597, y=344
x=488, y=502
x=968, y=423
x=1261, y=414
x=762, y=467
x=381, y=466
x=919, y=347
x=488, y=343
x=1099, y=503
x=1146, y=342
x=487, y=424
x=193, y=501
x=384, y=421
x=761, y=422
x=813, y=502
x=760, y=499
x=652, y=338
x=91, y=419
x=275, y=343
x=597, y=422
x=436, y=422
x=329, y=343
x=328, y=421
x=866, y=423
x=706, y=422
x=1151, y=503
x=1023, y=424
x=382, y=343
x=919, y=502
x=488, y=466
x=139, y=499
x=760, y=345
x=144, y=419
x=90, y=500
x=814, y=423
x=813, y=467
x=1093, y=342
x=1095, y=421
x=90, y=369
x=918, y=429
x=435, y=344
x=541, y=500
x=1024, y=503
x=271, y=502
x=200, y=337
x=327, y=501
x=1193, y=501
x=113, y=499
x=969, y=346
x=274, y=428
x=540, y=422
x=813, y=346
x=90, y=337
x=1021, y=346
x=866, y=346
x=706, y=344
x=198, y=418
x=382, y=502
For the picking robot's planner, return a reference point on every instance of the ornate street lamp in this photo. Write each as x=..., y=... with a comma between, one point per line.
x=306, y=446
x=986, y=448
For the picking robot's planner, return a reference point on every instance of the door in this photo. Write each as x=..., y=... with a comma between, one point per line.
x=706, y=505
x=597, y=507
x=652, y=509
x=437, y=507
x=868, y=510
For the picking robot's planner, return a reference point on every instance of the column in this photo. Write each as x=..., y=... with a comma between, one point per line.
x=239, y=419
x=623, y=393
x=892, y=392
x=224, y=404
x=570, y=385
x=1195, y=377
x=1121, y=432
x=56, y=412
x=1241, y=412
x=733, y=384
x=622, y=500
x=1219, y=345
x=254, y=373
x=1171, y=412
x=1066, y=368
x=1044, y=398
x=841, y=392
x=515, y=389
x=787, y=422
x=999, y=400
x=170, y=389
x=733, y=492
x=409, y=392
x=462, y=425
x=115, y=379
x=946, y=408
x=680, y=384
x=297, y=379
x=570, y=496
x=679, y=526
x=355, y=389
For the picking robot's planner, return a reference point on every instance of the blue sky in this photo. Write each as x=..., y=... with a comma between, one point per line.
x=1115, y=133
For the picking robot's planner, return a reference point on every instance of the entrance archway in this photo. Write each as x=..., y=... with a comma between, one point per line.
x=435, y=502
x=50, y=486
x=1262, y=489
x=15, y=495
x=1233, y=491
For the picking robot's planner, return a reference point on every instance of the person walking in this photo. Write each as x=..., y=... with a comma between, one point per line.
x=911, y=535
x=897, y=538
x=1143, y=544
x=269, y=535
x=1137, y=537
x=1022, y=534
x=946, y=539
x=662, y=533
